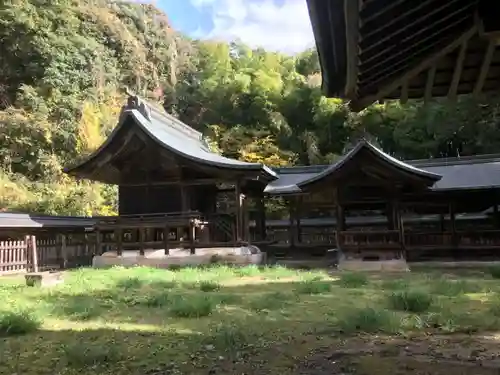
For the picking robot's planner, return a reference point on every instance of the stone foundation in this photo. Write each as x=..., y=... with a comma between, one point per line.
x=393, y=265
x=372, y=260
x=43, y=279
x=182, y=257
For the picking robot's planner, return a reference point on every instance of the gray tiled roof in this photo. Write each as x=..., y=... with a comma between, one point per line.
x=168, y=132
x=365, y=145
x=476, y=172
x=21, y=220
x=174, y=136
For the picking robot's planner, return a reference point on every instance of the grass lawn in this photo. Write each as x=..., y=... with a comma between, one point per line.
x=223, y=320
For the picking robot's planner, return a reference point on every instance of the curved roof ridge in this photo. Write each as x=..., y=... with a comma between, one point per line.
x=217, y=160
x=173, y=135
x=388, y=158
x=150, y=111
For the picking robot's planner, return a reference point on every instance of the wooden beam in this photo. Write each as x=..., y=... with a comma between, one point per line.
x=457, y=72
x=429, y=84
x=424, y=64
x=351, y=13
x=485, y=67
x=201, y=181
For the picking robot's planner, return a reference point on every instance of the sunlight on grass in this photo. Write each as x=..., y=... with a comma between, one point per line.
x=118, y=320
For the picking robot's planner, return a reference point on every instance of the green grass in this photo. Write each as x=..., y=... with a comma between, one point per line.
x=142, y=320
x=410, y=301
x=353, y=280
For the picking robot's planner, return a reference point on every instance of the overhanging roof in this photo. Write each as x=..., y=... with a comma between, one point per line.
x=466, y=173
x=400, y=170
x=168, y=134
x=372, y=50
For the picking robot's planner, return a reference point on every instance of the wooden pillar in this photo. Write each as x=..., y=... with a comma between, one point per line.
x=62, y=256
x=185, y=198
x=119, y=241
x=298, y=215
x=496, y=219
x=98, y=245
x=166, y=232
x=246, y=219
x=398, y=224
x=261, y=218
x=142, y=233
x=340, y=222
x=34, y=253
x=86, y=244
x=184, y=208
x=442, y=223
x=64, y=251
x=238, y=213
x=453, y=228
x=192, y=237
x=340, y=216
x=291, y=224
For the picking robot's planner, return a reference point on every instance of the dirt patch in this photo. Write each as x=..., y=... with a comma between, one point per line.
x=432, y=355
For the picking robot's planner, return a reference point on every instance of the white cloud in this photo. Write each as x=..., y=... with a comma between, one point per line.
x=259, y=23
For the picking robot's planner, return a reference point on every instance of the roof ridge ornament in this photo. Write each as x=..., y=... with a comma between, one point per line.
x=135, y=102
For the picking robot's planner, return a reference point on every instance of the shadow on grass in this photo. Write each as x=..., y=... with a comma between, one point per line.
x=115, y=351
x=230, y=350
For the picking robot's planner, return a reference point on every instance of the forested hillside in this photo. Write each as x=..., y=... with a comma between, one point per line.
x=64, y=65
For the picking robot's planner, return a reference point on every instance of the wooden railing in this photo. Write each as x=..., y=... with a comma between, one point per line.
x=129, y=232
x=428, y=240
x=13, y=257
x=165, y=231
x=320, y=236
x=369, y=239
x=56, y=252
x=478, y=238
x=222, y=227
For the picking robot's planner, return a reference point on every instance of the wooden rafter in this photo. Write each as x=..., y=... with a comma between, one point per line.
x=351, y=12
x=374, y=15
x=485, y=67
x=405, y=51
x=457, y=72
x=429, y=84
x=409, y=12
x=113, y=154
x=424, y=64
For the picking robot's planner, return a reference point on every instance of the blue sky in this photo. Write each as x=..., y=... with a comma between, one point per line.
x=279, y=25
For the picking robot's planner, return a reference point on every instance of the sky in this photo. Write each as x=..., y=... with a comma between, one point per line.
x=276, y=25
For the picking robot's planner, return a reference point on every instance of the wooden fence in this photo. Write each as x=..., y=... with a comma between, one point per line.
x=45, y=253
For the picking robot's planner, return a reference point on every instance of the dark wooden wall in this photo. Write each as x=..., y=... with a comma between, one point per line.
x=136, y=200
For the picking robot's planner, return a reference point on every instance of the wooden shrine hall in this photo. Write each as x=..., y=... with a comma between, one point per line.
x=175, y=193
x=379, y=207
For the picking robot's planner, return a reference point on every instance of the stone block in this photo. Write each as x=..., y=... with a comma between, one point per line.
x=43, y=279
